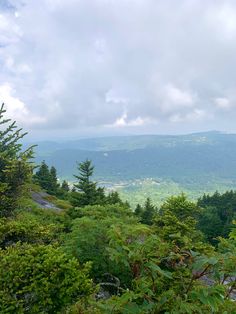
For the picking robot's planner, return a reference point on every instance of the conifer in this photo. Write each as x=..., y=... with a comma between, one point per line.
x=15, y=165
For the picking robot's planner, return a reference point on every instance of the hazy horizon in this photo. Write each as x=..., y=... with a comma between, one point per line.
x=29, y=138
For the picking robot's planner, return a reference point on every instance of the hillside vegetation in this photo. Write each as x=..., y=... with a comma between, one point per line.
x=193, y=164
x=94, y=254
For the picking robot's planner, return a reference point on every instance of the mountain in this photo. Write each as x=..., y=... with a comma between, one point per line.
x=194, y=163
x=131, y=142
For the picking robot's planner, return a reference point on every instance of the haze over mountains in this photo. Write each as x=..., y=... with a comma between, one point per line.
x=161, y=165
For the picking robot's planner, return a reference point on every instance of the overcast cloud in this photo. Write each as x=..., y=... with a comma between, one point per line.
x=92, y=67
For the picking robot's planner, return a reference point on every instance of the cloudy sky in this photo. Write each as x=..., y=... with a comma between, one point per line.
x=74, y=68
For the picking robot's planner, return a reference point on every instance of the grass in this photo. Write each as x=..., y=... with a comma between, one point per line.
x=26, y=203
x=62, y=204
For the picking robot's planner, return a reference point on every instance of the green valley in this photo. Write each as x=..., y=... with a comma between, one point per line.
x=133, y=165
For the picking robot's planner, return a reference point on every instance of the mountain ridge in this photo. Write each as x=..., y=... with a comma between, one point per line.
x=128, y=142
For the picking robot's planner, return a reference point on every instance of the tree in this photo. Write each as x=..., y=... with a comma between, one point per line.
x=65, y=186
x=138, y=210
x=211, y=225
x=181, y=207
x=42, y=176
x=47, y=178
x=148, y=212
x=114, y=198
x=176, y=221
x=88, y=192
x=15, y=165
x=53, y=180
x=85, y=185
x=88, y=239
x=217, y=215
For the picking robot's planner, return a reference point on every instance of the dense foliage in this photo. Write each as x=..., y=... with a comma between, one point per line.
x=168, y=267
x=47, y=179
x=39, y=279
x=15, y=166
x=87, y=192
x=146, y=213
x=97, y=255
x=218, y=213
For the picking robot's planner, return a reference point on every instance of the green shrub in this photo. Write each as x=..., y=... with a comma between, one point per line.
x=40, y=279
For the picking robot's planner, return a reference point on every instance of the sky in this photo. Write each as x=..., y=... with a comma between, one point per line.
x=87, y=68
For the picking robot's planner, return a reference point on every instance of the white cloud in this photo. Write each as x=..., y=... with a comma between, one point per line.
x=16, y=109
x=93, y=63
x=9, y=30
x=178, y=96
x=124, y=121
x=223, y=17
x=174, y=99
x=112, y=97
x=223, y=103
x=20, y=68
x=195, y=115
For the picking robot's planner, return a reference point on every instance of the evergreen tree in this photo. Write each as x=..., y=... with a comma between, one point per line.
x=114, y=198
x=42, y=176
x=65, y=186
x=148, y=212
x=84, y=184
x=86, y=187
x=47, y=178
x=53, y=181
x=181, y=207
x=217, y=215
x=100, y=197
x=138, y=210
x=15, y=165
x=126, y=204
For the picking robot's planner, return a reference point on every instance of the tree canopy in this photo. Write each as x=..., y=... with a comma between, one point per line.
x=15, y=165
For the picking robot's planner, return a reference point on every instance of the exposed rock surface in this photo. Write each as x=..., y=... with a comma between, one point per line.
x=40, y=199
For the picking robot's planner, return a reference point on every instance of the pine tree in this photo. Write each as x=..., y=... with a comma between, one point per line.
x=138, y=210
x=100, y=197
x=15, y=165
x=42, y=176
x=87, y=189
x=114, y=198
x=47, y=178
x=65, y=186
x=148, y=212
x=53, y=181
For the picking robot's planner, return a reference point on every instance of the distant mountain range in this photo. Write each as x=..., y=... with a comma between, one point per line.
x=135, y=142
x=196, y=162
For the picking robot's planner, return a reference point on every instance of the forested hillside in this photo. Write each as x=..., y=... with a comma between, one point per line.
x=91, y=253
x=194, y=163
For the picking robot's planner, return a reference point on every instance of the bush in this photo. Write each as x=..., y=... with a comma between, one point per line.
x=40, y=279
